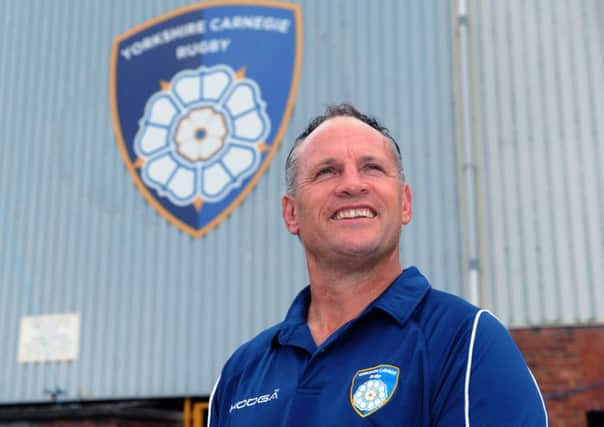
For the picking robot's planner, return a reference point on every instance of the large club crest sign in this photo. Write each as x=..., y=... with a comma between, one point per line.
x=201, y=98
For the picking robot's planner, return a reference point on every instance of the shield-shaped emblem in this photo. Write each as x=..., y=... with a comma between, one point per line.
x=200, y=99
x=372, y=388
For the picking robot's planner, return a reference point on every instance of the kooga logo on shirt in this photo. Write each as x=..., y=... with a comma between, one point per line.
x=245, y=403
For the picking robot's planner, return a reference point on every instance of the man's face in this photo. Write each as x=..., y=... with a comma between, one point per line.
x=349, y=200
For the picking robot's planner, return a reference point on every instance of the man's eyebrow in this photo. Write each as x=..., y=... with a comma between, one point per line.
x=324, y=162
x=330, y=161
x=371, y=157
x=368, y=157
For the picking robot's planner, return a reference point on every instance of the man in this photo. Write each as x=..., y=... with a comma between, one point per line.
x=366, y=344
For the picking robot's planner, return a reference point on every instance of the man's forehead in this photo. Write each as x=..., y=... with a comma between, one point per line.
x=340, y=134
x=343, y=125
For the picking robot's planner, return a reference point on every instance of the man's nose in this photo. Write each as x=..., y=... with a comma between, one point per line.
x=351, y=184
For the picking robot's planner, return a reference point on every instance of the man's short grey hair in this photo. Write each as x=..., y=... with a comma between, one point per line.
x=336, y=110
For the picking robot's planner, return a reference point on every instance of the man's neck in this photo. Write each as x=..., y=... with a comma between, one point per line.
x=339, y=296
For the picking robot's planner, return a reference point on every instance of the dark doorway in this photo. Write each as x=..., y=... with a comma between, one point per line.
x=173, y=412
x=595, y=419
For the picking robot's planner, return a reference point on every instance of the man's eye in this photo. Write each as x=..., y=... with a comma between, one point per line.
x=374, y=167
x=326, y=171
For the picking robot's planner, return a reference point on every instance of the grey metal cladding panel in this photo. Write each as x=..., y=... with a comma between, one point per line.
x=540, y=99
x=160, y=311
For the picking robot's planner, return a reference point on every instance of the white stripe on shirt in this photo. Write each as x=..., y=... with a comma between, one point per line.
x=211, y=401
x=469, y=368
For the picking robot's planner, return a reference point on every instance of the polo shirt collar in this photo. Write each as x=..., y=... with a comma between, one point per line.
x=294, y=323
x=399, y=301
x=403, y=296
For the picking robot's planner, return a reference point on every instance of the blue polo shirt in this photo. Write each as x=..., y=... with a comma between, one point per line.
x=415, y=356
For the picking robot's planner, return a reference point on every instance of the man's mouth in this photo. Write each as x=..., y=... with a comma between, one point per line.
x=354, y=213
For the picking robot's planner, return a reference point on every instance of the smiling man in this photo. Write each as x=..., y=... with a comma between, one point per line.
x=368, y=343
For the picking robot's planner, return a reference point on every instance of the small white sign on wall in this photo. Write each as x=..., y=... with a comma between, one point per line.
x=49, y=338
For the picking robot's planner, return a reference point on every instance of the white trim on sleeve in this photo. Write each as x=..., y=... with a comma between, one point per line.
x=211, y=401
x=469, y=368
x=540, y=397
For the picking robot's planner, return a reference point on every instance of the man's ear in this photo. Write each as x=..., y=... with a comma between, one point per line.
x=288, y=211
x=407, y=208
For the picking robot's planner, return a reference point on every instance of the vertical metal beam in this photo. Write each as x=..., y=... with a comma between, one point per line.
x=468, y=160
x=186, y=418
x=198, y=418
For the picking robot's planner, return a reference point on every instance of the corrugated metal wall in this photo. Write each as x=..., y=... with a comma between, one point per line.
x=539, y=112
x=161, y=311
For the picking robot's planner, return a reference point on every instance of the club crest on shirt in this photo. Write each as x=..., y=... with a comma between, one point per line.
x=372, y=388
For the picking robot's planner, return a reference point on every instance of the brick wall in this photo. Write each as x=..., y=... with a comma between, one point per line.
x=568, y=364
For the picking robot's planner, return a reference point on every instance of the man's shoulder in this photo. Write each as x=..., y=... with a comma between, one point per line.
x=444, y=314
x=248, y=353
x=414, y=293
x=450, y=304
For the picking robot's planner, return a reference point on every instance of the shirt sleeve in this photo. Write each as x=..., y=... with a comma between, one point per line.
x=498, y=387
x=213, y=407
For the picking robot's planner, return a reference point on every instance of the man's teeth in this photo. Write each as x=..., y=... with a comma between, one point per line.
x=355, y=213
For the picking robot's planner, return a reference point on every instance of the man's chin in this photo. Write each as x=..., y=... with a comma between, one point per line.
x=360, y=251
